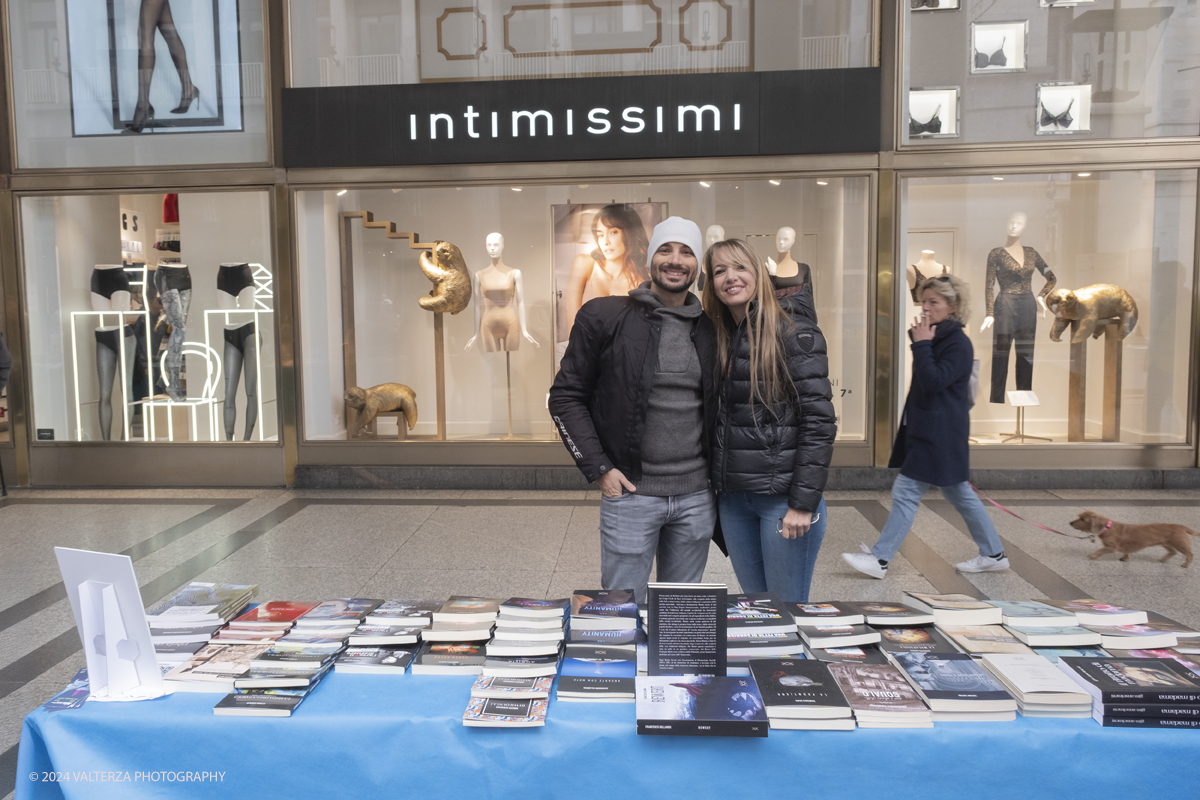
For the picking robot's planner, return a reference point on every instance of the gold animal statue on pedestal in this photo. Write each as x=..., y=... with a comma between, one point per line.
x=1089, y=305
x=384, y=397
x=444, y=265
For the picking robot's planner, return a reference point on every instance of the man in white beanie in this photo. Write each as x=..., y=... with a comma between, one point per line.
x=633, y=400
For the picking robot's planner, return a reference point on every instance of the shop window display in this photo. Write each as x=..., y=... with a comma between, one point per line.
x=1082, y=287
x=453, y=306
x=118, y=84
x=1016, y=71
x=150, y=317
x=364, y=42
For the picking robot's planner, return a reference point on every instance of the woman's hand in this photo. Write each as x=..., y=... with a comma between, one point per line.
x=922, y=331
x=795, y=523
x=1041, y=301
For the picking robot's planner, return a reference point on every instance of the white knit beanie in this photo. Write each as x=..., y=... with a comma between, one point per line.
x=675, y=229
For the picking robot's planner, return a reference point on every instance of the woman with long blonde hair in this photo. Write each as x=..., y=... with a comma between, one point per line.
x=775, y=428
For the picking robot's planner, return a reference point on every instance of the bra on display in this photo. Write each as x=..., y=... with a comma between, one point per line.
x=933, y=125
x=926, y=3
x=996, y=59
x=107, y=282
x=1062, y=120
x=233, y=278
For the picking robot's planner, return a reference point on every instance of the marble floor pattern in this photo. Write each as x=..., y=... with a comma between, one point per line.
x=315, y=545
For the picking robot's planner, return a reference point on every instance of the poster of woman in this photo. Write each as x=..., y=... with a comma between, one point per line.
x=599, y=251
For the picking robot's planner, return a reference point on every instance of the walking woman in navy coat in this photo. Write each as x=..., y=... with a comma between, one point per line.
x=931, y=446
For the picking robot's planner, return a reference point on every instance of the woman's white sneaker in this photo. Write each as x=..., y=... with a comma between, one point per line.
x=983, y=564
x=865, y=563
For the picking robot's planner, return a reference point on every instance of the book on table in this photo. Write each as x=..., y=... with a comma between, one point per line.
x=1053, y=654
x=863, y=654
x=825, y=613
x=520, y=666
x=1034, y=614
x=529, y=634
x=880, y=696
x=374, y=660
x=510, y=647
x=247, y=637
x=457, y=632
x=954, y=682
x=325, y=640
x=403, y=612
x=596, y=679
x=213, y=668
x=505, y=712
x=340, y=613
x=1189, y=638
x=600, y=609
x=956, y=609
x=763, y=645
x=538, y=623
x=366, y=634
x=1039, y=687
x=1046, y=636
x=760, y=611
x=1093, y=612
x=892, y=614
x=823, y=636
x=1143, y=636
x=798, y=689
x=201, y=602
x=500, y=686
x=1158, y=681
x=616, y=639
x=266, y=678
x=467, y=609
x=170, y=653
x=185, y=634
x=264, y=702
x=914, y=639
x=699, y=705
x=538, y=609
x=980, y=639
x=449, y=658
x=294, y=658
x=687, y=628
x=1189, y=660
x=273, y=615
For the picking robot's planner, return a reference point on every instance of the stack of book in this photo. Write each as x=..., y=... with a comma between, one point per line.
x=801, y=695
x=1092, y=612
x=259, y=702
x=600, y=659
x=418, y=613
x=979, y=640
x=1146, y=636
x=374, y=660
x=498, y=702
x=213, y=668
x=880, y=697
x=330, y=624
x=956, y=688
x=386, y=640
x=700, y=705
x=528, y=629
x=454, y=641
x=264, y=623
x=181, y=625
x=955, y=609
x=758, y=626
x=1039, y=688
x=1138, y=692
x=294, y=658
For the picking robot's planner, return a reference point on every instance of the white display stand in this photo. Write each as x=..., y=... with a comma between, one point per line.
x=262, y=293
x=121, y=316
x=111, y=619
x=207, y=399
x=1022, y=400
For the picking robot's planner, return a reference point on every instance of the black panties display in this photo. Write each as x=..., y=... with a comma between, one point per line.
x=168, y=278
x=233, y=278
x=107, y=282
x=238, y=336
x=112, y=338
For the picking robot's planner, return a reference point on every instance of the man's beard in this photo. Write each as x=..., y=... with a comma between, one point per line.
x=656, y=279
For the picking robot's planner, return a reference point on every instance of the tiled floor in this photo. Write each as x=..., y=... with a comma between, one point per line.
x=318, y=545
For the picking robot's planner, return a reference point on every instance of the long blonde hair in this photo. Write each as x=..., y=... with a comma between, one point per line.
x=766, y=324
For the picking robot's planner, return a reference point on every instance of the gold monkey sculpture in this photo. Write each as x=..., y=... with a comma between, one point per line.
x=1089, y=305
x=444, y=265
x=384, y=397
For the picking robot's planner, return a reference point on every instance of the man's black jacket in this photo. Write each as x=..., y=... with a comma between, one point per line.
x=599, y=397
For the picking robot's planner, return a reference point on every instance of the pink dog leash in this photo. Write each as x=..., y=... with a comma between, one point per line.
x=1034, y=524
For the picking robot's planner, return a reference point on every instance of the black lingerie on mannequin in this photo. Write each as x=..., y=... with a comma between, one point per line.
x=238, y=336
x=107, y=282
x=934, y=125
x=112, y=339
x=785, y=287
x=169, y=278
x=916, y=287
x=233, y=278
x=996, y=59
x=1062, y=120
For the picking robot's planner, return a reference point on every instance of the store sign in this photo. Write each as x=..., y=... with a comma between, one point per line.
x=576, y=119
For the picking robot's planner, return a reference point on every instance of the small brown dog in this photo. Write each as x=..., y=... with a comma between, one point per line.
x=1119, y=537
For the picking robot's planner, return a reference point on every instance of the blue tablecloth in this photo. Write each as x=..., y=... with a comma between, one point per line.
x=403, y=737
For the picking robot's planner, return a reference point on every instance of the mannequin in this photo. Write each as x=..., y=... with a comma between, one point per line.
x=497, y=287
x=174, y=284
x=111, y=292
x=926, y=267
x=235, y=290
x=1013, y=310
x=786, y=272
x=714, y=234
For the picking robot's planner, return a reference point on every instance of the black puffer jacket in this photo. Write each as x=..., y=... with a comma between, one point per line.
x=788, y=452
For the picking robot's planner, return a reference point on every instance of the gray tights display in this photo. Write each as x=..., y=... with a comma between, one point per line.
x=106, y=371
x=238, y=361
x=175, y=303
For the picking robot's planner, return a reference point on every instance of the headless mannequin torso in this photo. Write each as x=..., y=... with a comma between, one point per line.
x=786, y=272
x=926, y=267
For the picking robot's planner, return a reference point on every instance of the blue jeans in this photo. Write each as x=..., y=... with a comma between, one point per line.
x=634, y=528
x=763, y=560
x=906, y=497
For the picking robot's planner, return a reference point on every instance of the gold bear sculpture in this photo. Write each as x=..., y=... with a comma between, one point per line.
x=384, y=397
x=1089, y=305
x=451, y=292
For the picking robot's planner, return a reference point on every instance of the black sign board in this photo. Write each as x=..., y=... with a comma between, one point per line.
x=584, y=119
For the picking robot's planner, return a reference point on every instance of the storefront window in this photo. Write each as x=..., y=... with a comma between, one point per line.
x=1082, y=288
x=117, y=84
x=476, y=362
x=151, y=317
x=1023, y=71
x=427, y=41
